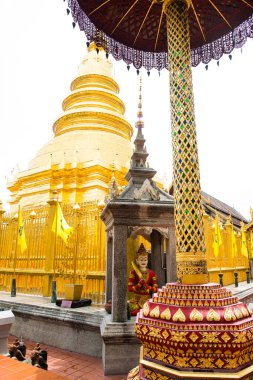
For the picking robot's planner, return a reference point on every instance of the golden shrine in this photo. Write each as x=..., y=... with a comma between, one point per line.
x=92, y=141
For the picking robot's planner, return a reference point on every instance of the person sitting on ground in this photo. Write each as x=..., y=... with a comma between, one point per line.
x=19, y=356
x=41, y=363
x=12, y=350
x=34, y=357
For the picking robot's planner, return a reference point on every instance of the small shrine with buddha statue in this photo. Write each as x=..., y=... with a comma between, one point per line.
x=141, y=210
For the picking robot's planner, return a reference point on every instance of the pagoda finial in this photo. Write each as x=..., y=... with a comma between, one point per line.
x=140, y=124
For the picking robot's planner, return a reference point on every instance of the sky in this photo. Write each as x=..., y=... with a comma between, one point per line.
x=39, y=55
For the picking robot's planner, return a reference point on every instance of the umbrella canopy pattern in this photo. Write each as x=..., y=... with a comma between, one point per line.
x=216, y=28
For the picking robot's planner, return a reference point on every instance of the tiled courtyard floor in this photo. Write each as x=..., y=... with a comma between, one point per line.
x=70, y=365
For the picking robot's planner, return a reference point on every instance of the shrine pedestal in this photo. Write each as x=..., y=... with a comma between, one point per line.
x=120, y=347
x=195, y=332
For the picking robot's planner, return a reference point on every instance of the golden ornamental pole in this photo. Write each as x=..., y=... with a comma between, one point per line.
x=190, y=243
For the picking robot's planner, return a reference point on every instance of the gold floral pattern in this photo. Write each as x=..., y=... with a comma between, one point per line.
x=177, y=336
x=155, y=332
x=210, y=337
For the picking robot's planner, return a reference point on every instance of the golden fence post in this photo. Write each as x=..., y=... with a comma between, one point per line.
x=50, y=246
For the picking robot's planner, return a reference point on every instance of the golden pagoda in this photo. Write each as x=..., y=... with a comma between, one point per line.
x=91, y=143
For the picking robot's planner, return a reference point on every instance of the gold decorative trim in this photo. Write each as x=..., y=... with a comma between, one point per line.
x=195, y=375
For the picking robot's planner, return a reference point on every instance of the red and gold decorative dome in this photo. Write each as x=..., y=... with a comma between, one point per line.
x=201, y=327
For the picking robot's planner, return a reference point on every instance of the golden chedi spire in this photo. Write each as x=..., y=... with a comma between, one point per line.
x=91, y=133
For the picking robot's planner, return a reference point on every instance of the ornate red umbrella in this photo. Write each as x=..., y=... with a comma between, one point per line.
x=191, y=324
x=136, y=30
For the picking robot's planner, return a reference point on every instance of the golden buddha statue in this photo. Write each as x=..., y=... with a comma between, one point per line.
x=142, y=281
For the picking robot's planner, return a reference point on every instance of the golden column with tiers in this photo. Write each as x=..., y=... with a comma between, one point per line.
x=91, y=137
x=190, y=244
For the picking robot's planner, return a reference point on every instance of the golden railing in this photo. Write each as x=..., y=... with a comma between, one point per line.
x=225, y=262
x=43, y=261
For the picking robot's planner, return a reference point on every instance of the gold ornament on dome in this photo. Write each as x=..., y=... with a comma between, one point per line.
x=196, y=316
x=229, y=315
x=212, y=316
x=145, y=309
x=166, y=314
x=155, y=313
x=179, y=316
x=244, y=311
x=238, y=313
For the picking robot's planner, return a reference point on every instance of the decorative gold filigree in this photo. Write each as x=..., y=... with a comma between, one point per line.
x=144, y=330
x=146, y=309
x=225, y=337
x=229, y=315
x=166, y=314
x=193, y=336
x=196, y=316
x=155, y=313
x=210, y=337
x=155, y=332
x=212, y=316
x=179, y=316
x=238, y=313
x=244, y=311
x=240, y=337
x=177, y=336
x=165, y=334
